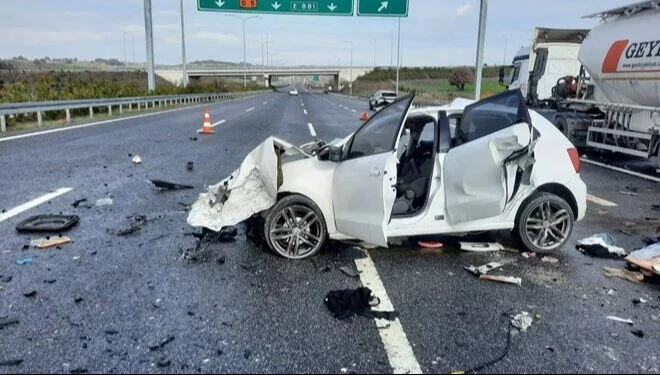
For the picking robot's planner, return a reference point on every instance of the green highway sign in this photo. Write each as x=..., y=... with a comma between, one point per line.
x=299, y=7
x=383, y=8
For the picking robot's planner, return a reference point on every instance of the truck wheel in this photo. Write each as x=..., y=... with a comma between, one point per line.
x=295, y=228
x=544, y=223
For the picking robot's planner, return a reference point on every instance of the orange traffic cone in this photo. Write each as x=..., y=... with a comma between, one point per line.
x=206, y=127
x=364, y=116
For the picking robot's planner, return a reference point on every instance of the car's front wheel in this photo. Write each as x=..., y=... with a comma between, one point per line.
x=544, y=223
x=295, y=227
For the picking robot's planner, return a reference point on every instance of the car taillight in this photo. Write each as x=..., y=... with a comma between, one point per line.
x=575, y=158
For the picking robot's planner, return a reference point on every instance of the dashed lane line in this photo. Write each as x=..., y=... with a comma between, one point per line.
x=311, y=129
x=600, y=201
x=218, y=123
x=399, y=352
x=33, y=203
x=304, y=110
x=249, y=109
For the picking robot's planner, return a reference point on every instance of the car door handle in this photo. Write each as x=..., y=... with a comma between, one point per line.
x=375, y=172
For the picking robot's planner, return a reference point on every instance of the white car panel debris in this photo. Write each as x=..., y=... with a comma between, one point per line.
x=250, y=189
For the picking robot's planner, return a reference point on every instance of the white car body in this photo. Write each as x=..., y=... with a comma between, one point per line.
x=293, y=92
x=469, y=189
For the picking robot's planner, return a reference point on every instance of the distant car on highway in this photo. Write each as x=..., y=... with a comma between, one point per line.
x=464, y=167
x=293, y=92
x=381, y=98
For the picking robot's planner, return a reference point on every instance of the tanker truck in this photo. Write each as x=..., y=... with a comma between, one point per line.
x=601, y=87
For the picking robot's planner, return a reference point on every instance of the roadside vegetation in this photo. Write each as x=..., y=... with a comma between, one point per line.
x=430, y=84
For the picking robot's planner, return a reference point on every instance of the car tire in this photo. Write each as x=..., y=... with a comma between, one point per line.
x=544, y=223
x=295, y=227
x=371, y=107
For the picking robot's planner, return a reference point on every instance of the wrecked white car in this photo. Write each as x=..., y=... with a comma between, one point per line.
x=465, y=167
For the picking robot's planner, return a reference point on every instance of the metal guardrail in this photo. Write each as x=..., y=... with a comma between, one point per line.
x=142, y=102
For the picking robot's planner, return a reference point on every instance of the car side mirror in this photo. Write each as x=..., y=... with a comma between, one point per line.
x=335, y=154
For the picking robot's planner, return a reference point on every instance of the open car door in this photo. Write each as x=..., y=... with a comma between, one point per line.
x=364, y=182
x=494, y=141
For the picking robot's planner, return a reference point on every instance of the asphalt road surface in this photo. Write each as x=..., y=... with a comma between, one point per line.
x=150, y=303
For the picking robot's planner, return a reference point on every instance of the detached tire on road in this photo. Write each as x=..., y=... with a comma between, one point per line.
x=295, y=227
x=544, y=223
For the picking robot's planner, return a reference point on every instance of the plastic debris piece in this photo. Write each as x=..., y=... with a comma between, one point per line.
x=522, y=321
x=107, y=201
x=44, y=243
x=601, y=245
x=481, y=246
x=24, y=261
x=549, y=259
x=482, y=270
x=502, y=279
x=628, y=193
x=47, y=223
x=137, y=159
x=162, y=343
x=165, y=185
x=638, y=332
x=632, y=276
x=621, y=320
x=349, y=271
x=648, y=258
x=7, y=321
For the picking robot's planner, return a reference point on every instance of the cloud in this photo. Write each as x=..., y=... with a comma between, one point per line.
x=32, y=36
x=463, y=10
x=168, y=27
x=215, y=37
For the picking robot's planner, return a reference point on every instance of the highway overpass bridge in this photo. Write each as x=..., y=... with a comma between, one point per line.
x=267, y=75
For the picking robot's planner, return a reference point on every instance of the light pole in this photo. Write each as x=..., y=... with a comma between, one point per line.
x=483, y=15
x=184, y=80
x=243, y=19
x=148, y=28
x=398, y=58
x=350, y=83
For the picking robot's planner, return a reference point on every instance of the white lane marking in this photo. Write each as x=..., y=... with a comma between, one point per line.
x=600, y=201
x=303, y=104
x=304, y=110
x=311, y=129
x=4, y=139
x=249, y=109
x=353, y=110
x=33, y=203
x=218, y=123
x=399, y=352
x=622, y=170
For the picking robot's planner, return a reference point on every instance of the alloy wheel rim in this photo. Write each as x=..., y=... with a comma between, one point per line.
x=548, y=225
x=297, y=231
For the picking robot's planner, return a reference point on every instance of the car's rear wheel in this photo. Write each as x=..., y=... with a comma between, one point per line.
x=544, y=223
x=295, y=228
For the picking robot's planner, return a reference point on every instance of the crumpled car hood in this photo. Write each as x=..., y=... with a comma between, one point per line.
x=250, y=189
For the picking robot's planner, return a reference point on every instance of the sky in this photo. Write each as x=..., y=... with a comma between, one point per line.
x=436, y=32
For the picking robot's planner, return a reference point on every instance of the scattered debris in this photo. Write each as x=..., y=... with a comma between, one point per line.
x=528, y=255
x=193, y=139
x=47, y=223
x=78, y=300
x=81, y=203
x=655, y=317
x=24, y=261
x=7, y=321
x=632, y=276
x=602, y=212
x=107, y=201
x=111, y=332
x=190, y=165
x=637, y=301
x=222, y=260
x=78, y=370
x=30, y=294
x=44, y=243
x=503, y=279
x=137, y=159
x=601, y=245
x=345, y=303
x=321, y=265
x=165, y=185
x=522, y=321
x=481, y=246
x=162, y=343
x=247, y=353
x=6, y=279
x=628, y=193
x=482, y=270
x=638, y=332
x=137, y=222
x=625, y=231
x=350, y=271
x=655, y=207
x=621, y=320
x=430, y=244
x=11, y=362
x=632, y=188
x=163, y=362
x=549, y=259
x=647, y=258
